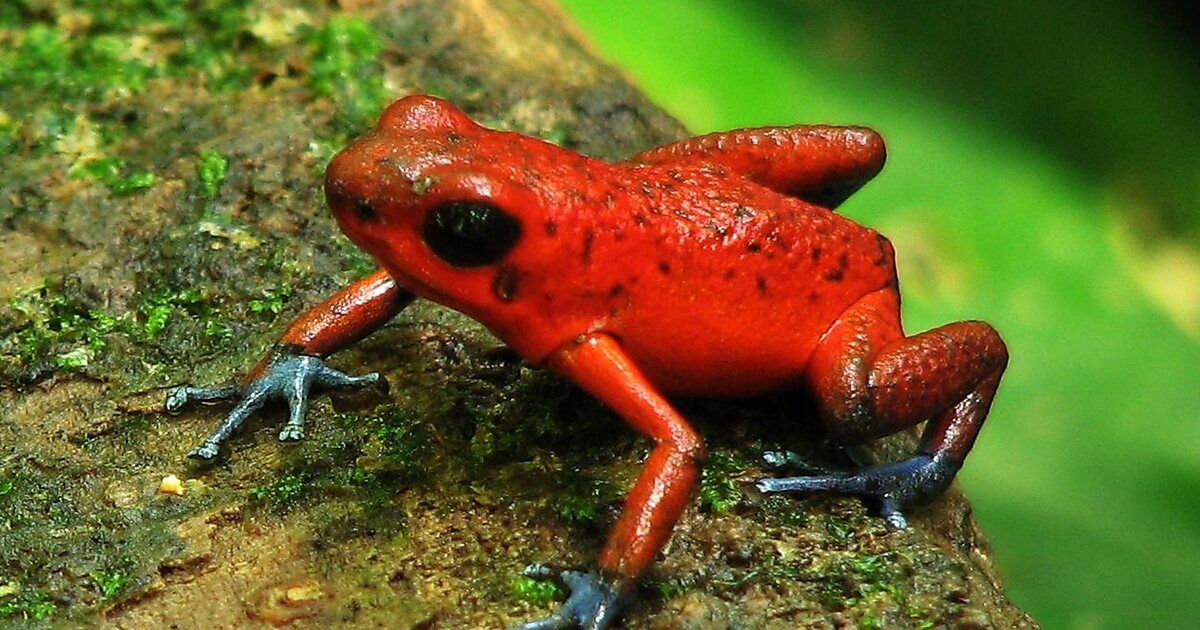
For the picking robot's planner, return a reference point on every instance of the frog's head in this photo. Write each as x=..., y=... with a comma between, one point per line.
x=443, y=203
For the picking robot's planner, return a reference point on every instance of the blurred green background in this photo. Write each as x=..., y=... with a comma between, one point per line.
x=1044, y=175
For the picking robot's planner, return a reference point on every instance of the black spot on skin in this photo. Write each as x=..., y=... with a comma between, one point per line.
x=551, y=228
x=664, y=266
x=640, y=219
x=816, y=254
x=833, y=275
x=507, y=283
x=617, y=289
x=588, y=240
x=761, y=283
x=843, y=261
x=754, y=247
x=813, y=297
x=729, y=273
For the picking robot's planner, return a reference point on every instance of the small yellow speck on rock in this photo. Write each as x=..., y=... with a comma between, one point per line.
x=171, y=485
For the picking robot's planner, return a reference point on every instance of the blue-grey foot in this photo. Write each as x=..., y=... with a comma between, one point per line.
x=288, y=376
x=594, y=603
x=895, y=486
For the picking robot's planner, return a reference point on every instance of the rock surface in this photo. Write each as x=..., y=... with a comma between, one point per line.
x=161, y=221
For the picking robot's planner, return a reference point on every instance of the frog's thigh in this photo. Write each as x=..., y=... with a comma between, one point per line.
x=870, y=380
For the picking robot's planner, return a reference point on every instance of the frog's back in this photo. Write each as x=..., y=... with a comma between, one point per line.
x=726, y=290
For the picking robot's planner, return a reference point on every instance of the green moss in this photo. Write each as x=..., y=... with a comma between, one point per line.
x=211, y=169
x=271, y=301
x=397, y=444
x=122, y=46
x=516, y=419
x=64, y=62
x=344, y=67
x=57, y=328
x=50, y=565
x=157, y=307
x=673, y=587
x=581, y=497
x=111, y=584
x=719, y=490
x=284, y=491
x=841, y=530
x=218, y=330
x=26, y=605
x=537, y=591
x=783, y=510
x=112, y=172
x=848, y=582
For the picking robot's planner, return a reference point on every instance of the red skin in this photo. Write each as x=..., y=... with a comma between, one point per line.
x=696, y=268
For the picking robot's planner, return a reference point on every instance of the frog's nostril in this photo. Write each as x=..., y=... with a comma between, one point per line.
x=364, y=210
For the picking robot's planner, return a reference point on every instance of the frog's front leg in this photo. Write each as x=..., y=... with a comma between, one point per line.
x=598, y=365
x=870, y=381
x=297, y=361
x=821, y=164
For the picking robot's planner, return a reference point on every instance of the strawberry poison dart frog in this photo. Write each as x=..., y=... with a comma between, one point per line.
x=714, y=266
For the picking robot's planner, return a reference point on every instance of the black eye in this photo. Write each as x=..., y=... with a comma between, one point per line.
x=364, y=210
x=470, y=233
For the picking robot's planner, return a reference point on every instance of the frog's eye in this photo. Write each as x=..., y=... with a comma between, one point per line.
x=470, y=233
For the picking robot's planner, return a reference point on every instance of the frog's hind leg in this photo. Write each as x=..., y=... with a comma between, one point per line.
x=870, y=381
x=820, y=164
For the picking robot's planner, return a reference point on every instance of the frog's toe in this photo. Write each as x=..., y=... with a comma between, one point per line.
x=179, y=396
x=291, y=433
x=594, y=603
x=895, y=486
x=329, y=377
x=205, y=451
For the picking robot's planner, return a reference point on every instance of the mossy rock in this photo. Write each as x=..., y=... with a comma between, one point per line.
x=162, y=221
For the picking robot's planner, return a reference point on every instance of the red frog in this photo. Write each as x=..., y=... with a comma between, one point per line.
x=714, y=266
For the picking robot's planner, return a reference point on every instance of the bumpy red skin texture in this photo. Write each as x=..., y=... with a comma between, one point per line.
x=696, y=268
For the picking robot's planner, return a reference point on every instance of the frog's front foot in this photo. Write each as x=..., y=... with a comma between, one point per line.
x=594, y=603
x=287, y=376
x=896, y=486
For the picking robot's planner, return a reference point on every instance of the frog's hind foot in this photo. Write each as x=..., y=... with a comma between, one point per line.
x=895, y=486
